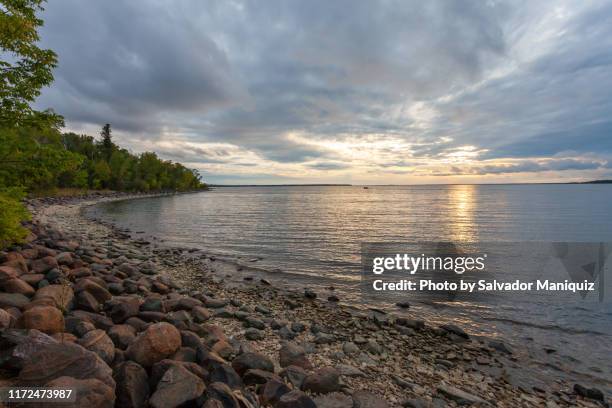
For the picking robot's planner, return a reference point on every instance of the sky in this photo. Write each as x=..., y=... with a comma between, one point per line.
x=343, y=91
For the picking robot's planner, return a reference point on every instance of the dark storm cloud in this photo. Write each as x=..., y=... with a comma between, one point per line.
x=513, y=80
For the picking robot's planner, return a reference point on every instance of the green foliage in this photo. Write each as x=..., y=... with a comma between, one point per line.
x=107, y=166
x=12, y=213
x=25, y=68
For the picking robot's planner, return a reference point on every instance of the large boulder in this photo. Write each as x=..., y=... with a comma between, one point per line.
x=13, y=300
x=48, y=361
x=132, y=385
x=95, y=288
x=176, y=387
x=44, y=265
x=47, y=319
x=90, y=393
x=122, y=335
x=62, y=295
x=17, y=285
x=98, y=341
x=158, y=341
x=121, y=308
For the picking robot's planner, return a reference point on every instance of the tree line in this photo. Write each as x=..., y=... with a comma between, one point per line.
x=35, y=156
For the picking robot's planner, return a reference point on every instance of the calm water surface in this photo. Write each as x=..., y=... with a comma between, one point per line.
x=311, y=236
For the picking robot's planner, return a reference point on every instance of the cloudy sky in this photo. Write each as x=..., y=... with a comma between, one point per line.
x=343, y=91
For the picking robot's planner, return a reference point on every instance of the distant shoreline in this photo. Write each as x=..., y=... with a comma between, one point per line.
x=411, y=185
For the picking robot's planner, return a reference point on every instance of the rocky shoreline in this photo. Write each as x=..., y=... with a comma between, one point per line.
x=128, y=323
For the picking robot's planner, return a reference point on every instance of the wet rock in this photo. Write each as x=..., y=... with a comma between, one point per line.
x=273, y=391
x=500, y=346
x=459, y=396
x=366, y=399
x=292, y=354
x=132, y=385
x=176, y=387
x=158, y=341
x=47, y=319
x=246, y=361
x=456, y=330
x=310, y=294
x=295, y=399
x=99, y=342
x=53, y=360
x=414, y=324
x=322, y=381
x=254, y=334
x=403, y=305
x=90, y=393
x=122, y=335
x=592, y=393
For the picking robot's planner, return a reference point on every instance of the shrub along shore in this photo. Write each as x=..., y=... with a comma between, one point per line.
x=127, y=323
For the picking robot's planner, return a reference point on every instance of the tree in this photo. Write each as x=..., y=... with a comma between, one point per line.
x=107, y=146
x=25, y=67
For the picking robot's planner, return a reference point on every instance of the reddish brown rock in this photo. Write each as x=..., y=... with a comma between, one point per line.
x=295, y=399
x=17, y=285
x=16, y=300
x=292, y=354
x=44, y=265
x=97, y=289
x=64, y=337
x=48, y=361
x=273, y=391
x=47, y=319
x=99, y=342
x=8, y=273
x=16, y=260
x=32, y=278
x=62, y=295
x=200, y=314
x=158, y=341
x=246, y=361
x=122, y=335
x=176, y=387
x=90, y=393
x=87, y=301
x=322, y=381
x=121, y=308
x=132, y=385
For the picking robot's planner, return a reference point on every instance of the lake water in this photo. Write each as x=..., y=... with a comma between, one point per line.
x=310, y=236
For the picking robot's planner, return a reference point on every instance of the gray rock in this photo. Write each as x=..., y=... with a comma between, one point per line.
x=322, y=381
x=366, y=399
x=459, y=396
x=253, y=334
